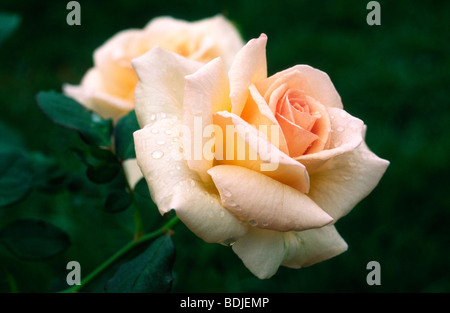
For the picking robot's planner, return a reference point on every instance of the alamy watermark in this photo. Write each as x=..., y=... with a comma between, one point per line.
x=374, y=16
x=74, y=16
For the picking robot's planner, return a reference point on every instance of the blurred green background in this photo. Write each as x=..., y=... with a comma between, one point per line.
x=395, y=77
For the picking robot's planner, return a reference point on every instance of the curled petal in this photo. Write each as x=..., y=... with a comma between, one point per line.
x=312, y=246
x=262, y=251
x=173, y=185
x=249, y=66
x=243, y=145
x=161, y=84
x=313, y=82
x=206, y=92
x=273, y=205
x=348, y=179
x=347, y=134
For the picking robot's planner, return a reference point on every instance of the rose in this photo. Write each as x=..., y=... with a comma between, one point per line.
x=108, y=87
x=293, y=119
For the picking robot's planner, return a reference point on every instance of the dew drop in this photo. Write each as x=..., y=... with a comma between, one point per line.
x=178, y=167
x=237, y=208
x=340, y=129
x=343, y=114
x=157, y=154
x=253, y=223
x=160, y=142
x=231, y=203
x=338, y=143
x=168, y=132
x=155, y=131
x=265, y=224
x=228, y=242
x=226, y=192
x=163, y=115
x=332, y=117
x=152, y=117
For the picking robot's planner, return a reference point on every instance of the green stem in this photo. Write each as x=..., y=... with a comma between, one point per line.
x=128, y=247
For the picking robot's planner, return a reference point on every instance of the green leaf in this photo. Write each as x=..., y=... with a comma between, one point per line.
x=34, y=240
x=8, y=24
x=151, y=271
x=123, y=134
x=141, y=188
x=68, y=113
x=117, y=201
x=16, y=177
x=102, y=165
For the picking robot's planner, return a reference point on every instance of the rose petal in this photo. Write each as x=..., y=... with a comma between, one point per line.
x=206, y=92
x=132, y=172
x=228, y=40
x=261, y=251
x=173, y=185
x=93, y=95
x=249, y=66
x=348, y=179
x=273, y=205
x=313, y=82
x=202, y=40
x=347, y=133
x=322, y=126
x=161, y=84
x=312, y=246
x=298, y=139
x=257, y=113
x=252, y=150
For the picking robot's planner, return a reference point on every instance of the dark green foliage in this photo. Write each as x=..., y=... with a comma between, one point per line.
x=151, y=271
x=34, y=240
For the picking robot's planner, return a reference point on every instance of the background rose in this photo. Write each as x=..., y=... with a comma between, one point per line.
x=274, y=217
x=108, y=87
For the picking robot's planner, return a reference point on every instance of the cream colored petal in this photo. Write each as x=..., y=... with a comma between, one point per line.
x=93, y=95
x=258, y=113
x=132, y=172
x=225, y=36
x=173, y=185
x=348, y=179
x=262, y=251
x=312, y=246
x=249, y=66
x=161, y=84
x=206, y=92
x=313, y=82
x=251, y=149
x=346, y=134
x=272, y=205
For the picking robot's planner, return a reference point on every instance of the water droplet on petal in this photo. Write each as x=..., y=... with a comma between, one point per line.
x=253, y=223
x=168, y=132
x=163, y=115
x=160, y=142
x=340, y=129
x=231, y=203
x=178, y=167
x=343, y=114
x=338, y=143
x=228, y=242
x=152, y=117
x=265, y=224
x=155, y=131
x=157, y=154
x=226, y=193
